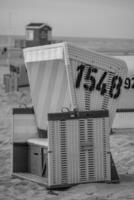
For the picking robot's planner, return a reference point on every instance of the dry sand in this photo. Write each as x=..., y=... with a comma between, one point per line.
x=122, y=147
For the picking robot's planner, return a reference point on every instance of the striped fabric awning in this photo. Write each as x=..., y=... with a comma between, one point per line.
x=48, y=80
x=49, y=88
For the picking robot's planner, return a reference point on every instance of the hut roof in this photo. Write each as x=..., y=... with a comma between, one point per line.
x=37, y=26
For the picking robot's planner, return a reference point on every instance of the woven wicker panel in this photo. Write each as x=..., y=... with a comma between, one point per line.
x=44, y=52
x=78, y=151
x=83, y=66
x=84, y=91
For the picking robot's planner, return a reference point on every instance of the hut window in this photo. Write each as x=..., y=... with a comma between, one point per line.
x=29, y=35
x=43, y=34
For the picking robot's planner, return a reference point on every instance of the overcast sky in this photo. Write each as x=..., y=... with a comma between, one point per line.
x=83, y=18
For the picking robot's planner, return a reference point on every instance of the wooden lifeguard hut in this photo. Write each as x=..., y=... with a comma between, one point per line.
x=38, y=34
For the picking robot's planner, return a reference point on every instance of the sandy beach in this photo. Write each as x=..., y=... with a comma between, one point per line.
x=62, y=78
x=11, y=188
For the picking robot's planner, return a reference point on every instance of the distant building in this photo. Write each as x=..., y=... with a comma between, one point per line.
x=38, y=34
x=20, y=43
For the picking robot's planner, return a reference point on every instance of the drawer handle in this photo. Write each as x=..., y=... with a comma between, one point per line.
x=36, y=154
